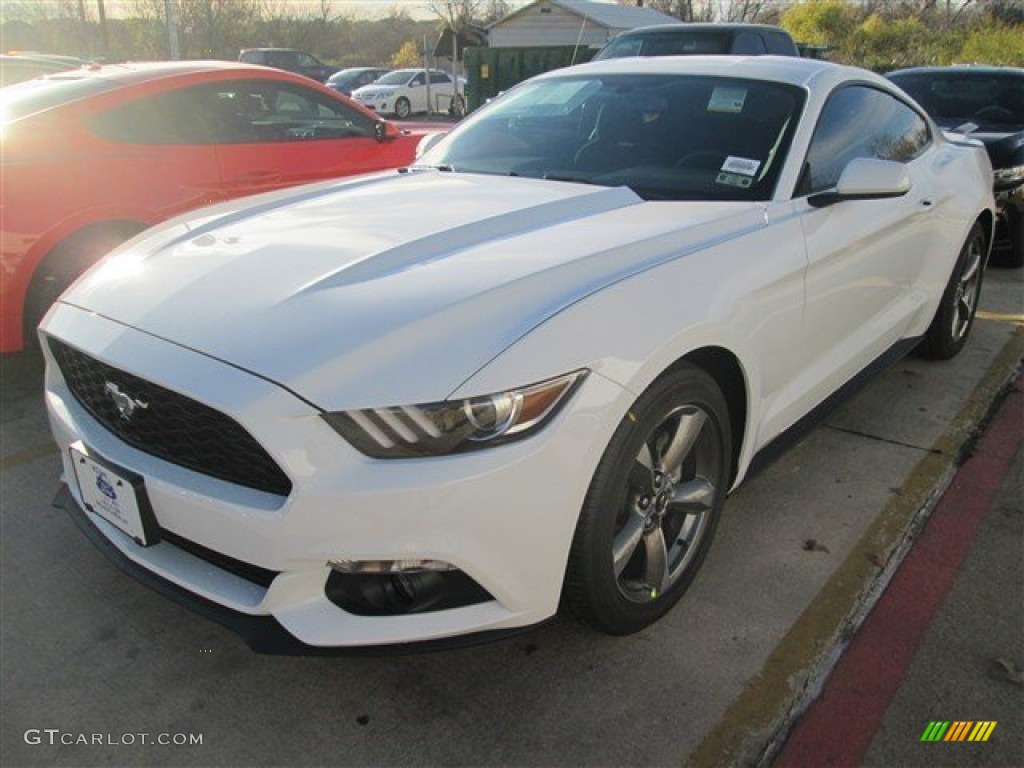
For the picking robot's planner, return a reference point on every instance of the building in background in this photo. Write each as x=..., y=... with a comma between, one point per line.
x=569, y=22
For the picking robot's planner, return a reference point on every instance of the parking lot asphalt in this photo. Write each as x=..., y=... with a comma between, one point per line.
x=98, y=670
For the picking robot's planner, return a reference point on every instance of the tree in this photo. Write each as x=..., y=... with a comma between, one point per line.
x=995, y=45
x=455, y=13
x=494, y=10
x=821, y=22
x=684, y=10
x=714, y=10
x=407, y=56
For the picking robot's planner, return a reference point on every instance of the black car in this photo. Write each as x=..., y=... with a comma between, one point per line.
x=986, y=103
x=347, y=80
x=700, y=39
x=289, y=59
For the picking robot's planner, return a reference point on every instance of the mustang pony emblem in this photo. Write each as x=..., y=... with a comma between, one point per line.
x=125, y=403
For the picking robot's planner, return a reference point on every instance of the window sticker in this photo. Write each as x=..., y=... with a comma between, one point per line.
x=734, y=180
x=743, y=165
x=727, y=100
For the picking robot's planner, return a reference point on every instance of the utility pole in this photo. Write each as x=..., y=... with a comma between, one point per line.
x=104, y=33
x=171, y=18
x=455, y=71
x=453, y=25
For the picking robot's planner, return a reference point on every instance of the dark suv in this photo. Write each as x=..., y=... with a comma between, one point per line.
x=289, y=59
x=700, y=39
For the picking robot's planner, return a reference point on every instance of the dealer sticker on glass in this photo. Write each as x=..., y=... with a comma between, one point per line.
x=743, y=165
x=724, y=99
x=112, y=493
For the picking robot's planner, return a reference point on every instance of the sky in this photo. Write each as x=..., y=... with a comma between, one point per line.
x=359, y=8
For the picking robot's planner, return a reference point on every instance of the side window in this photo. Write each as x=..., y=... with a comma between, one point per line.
x=859, y=121
x=418, y=80
x=174, y=117
x=778, y=43
x=264, y=111
x=305, y=60
x=280, y=59
x=439, y=77
x=748, y=44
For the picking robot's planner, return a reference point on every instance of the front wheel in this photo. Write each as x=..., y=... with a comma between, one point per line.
x=653, y=505
x=953, y=319
x=64, y=264
x=402, y=108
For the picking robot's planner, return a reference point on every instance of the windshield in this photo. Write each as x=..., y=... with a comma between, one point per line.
x=990, y=100
x=667, y=137
x=18, y=101
x=399, y=77
x=675, y=43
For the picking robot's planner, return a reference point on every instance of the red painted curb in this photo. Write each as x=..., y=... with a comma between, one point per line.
x=838, y=728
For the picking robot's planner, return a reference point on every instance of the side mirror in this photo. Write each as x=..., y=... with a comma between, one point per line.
x=428, y=142
x=385, y=130
x=866, y=178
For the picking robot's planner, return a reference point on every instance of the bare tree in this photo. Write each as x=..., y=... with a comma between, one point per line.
x=713, y=10
x=494, y=10
x=32, y=11
x=743, y=10
x=455, y=13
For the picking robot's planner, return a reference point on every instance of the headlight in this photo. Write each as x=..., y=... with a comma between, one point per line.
x=1005, y=176
x=454, y=426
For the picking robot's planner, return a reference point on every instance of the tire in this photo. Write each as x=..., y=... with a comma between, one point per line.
x=62, y=266
x=653, y=505
x=953, y=319
x=1011, y=257
x=402, y=108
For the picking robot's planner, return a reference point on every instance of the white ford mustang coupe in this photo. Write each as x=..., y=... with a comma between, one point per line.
x=438, y=404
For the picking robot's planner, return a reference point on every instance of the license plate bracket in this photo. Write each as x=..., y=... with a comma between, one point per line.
x=116, y=494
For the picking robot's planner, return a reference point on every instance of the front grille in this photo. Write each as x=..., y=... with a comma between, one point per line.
x=169, y=425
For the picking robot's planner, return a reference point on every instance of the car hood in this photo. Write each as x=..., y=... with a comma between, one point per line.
x=396, y=286
x=375, y=88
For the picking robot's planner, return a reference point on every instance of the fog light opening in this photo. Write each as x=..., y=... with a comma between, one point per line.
x=396, y=587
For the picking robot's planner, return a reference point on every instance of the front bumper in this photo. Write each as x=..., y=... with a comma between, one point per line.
x=380, y=106
x=504, y=517
x=263, y=634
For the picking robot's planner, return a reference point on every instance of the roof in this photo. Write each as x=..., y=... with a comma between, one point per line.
x=609, y=15
x=140, y=71
x=730, y=26
x=783, y=69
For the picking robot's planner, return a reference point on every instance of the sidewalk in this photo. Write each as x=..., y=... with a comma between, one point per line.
x=946, y=638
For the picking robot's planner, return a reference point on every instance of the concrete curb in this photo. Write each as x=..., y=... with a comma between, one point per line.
x=757, y=722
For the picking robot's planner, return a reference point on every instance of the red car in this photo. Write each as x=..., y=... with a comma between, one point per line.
x=94, y=156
